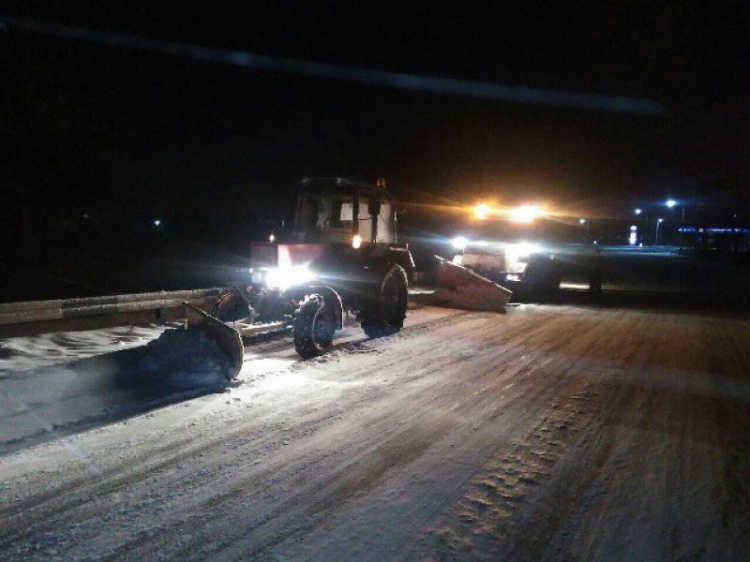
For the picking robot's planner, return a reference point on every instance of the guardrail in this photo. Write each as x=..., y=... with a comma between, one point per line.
x=64, y=309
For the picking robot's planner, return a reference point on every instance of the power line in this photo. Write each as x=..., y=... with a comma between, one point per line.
x=397, y=80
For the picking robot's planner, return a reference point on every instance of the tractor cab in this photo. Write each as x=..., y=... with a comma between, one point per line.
x=339, y=211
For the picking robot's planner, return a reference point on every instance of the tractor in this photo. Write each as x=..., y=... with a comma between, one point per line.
x=340, y=255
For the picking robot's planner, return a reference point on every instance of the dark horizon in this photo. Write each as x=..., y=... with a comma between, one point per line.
x=116, y=126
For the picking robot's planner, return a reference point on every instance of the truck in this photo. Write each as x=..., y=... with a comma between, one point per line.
x=525, y=250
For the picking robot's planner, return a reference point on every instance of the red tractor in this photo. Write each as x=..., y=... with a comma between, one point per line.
x=341, y=253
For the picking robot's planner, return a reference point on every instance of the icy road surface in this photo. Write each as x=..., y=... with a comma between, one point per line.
x=544, y=433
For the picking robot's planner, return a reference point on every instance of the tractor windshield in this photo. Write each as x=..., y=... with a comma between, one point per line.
x=330, y=218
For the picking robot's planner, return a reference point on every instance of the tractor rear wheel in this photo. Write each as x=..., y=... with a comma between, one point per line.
x=314, y=326
x=385, y=316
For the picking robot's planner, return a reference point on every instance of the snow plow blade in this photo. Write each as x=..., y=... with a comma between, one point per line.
x=462, y=288
x=227, y=338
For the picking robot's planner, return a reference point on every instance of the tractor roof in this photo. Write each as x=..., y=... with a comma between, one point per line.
x=342, y=185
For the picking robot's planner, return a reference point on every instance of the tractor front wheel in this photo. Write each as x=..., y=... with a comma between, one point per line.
x=385, y=316
x=314, y=326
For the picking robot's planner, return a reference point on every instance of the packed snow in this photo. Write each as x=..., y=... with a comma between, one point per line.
x=545, y=433
x=55, y=383
x=186, y=357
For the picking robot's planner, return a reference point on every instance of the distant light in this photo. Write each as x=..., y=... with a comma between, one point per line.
x=671, y=203
x=581, y=221
x=633, y=238
x=638, y=211
x=660, y=221
x=482, y=212
x=157, y=222
x=633, y=228
x=460, y=242
x=272, y=238
x=526, y=213
x=356, y=241
x=596, y=241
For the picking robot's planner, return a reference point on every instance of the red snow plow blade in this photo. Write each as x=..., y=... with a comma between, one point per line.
x=462, y=288
x=227, y=338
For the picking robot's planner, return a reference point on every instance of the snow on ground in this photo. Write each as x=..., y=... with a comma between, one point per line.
x=64, y=381
x=543, y=433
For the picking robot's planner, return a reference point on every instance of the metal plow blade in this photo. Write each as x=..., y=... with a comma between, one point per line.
x=227, y=338
x=462, y=288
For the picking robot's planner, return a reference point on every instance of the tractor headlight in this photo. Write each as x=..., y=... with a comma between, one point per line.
x=256, y=276
x=284, y=277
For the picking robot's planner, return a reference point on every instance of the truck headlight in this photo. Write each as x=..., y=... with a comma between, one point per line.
x=460, y=242
x=519, y=252
x=525, y=249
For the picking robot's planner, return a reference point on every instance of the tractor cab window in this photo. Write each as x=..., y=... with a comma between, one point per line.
x=330, y=218
x=345, y=214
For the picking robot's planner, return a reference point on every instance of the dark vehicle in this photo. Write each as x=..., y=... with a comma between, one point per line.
x=340, y=254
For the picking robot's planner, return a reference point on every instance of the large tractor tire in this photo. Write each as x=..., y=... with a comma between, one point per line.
x=230, y=307
x=385, y=315
x=314, y=326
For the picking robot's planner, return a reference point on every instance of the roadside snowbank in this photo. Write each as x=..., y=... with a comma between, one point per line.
x=186, y=358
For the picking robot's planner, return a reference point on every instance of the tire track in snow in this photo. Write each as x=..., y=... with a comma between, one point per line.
x=481, y=524
x=529, y=393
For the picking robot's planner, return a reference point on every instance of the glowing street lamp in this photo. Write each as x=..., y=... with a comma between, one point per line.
x=581, y=221
x=637, y=211
x=671, y=204
x=658, y=224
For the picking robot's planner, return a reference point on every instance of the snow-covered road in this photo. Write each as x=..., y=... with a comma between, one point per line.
x=544, y=433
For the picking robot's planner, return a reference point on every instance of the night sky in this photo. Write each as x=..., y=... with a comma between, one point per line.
x=90, y=128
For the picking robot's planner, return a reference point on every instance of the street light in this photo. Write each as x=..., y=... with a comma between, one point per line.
x=658, y=224
x=581, y=221
x=671, y=204
x=637, y=211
